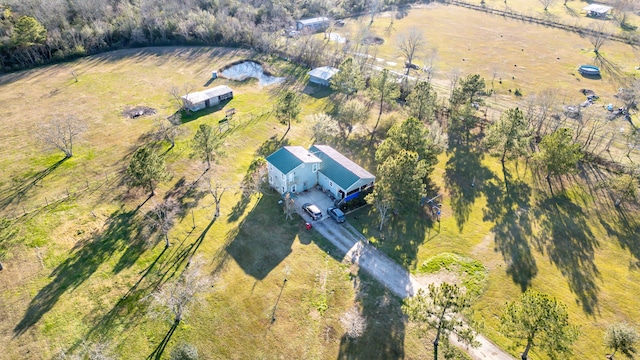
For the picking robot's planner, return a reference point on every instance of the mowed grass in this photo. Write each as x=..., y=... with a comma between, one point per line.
x=85, y=264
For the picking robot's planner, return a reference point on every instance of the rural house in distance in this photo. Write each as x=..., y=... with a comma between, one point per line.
x=293, y=168
x=312, y=25
x=207, y=98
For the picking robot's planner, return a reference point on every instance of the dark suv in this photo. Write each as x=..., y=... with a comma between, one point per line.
x=336, y=214
x=312, y=210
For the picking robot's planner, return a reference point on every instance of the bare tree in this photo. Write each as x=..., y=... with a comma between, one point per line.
x=176, y=95
x=621, y=10
x=166, y=130
x=162, y=218
x=216, y=192
x=374, y=7
x=429, y=63
x=597, y=36
x=354, y=322
x=546, y=3
x=539, y=108
x=61, y=133
x=174, y=299
x=411, y=44
x=289, y=207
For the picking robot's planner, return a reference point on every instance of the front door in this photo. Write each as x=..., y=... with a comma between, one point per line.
x=293, y=188
x=304, y=186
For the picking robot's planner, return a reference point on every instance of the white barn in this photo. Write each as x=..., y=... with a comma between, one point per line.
x=203, y=99
x=322, y=75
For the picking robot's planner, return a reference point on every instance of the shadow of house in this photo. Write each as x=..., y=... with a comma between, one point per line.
x=258, y=251
x=80, y=266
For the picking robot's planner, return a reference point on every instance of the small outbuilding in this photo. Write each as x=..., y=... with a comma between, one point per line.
x=312, y=25
x=207, y=98
x=597, y=10
x=322, y=75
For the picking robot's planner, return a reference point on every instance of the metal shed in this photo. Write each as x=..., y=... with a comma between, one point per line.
x=203, y=99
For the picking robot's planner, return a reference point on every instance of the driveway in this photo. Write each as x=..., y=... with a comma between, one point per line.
x=398, y=280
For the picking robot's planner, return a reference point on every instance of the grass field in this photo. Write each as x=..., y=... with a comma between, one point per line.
x=82, y=267
x=80, y=270
x=509, y=54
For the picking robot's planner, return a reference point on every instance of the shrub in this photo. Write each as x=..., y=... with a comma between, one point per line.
x=184, y=351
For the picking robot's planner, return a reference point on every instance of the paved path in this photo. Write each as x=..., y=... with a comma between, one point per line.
x=390, y=274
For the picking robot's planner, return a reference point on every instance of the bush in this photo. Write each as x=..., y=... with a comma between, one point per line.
x=184, y=351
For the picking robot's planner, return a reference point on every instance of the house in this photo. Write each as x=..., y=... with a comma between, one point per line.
x=312, y=25
x=597, y=10
x=293, y=168
x=340, y=176
x=207, y=98
x=322, y=75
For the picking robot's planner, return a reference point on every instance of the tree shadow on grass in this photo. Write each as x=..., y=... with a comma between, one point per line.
x=186, y=195
x=403, y=235
x=256, y=250
x=270, y=146
x=18, y=192
x=80, y=265
x=129, y=309
x=509, y=210
x=465, y=178
x=159, y=350
x=626, y=229
x=383, y=336
x=570, y=245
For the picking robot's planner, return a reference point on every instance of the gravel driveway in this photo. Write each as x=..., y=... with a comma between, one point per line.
x=356, y=249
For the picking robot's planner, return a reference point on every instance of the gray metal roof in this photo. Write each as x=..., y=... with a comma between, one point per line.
x=323, y=72
x=312, y=21
x=339, y=168
x=597, y=8
x=200, y=96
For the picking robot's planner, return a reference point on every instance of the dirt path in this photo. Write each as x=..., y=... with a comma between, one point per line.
x=393, y=276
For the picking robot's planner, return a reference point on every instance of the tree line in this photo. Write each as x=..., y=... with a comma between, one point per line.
x=34, y=32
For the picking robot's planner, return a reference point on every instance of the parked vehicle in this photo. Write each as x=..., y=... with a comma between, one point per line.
x=312, y=210
x=411, y=66
x=336, y=214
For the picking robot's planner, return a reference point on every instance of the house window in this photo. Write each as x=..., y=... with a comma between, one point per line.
x=271, y=179
x=314, y=168
x=282, y=177
x=330, y=183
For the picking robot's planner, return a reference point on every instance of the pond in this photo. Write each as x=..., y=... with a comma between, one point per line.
x=250, y=69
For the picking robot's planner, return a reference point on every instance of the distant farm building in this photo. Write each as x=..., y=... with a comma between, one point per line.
x=597, y=10
x=322, y=75
x=312, y=25
x=207, y=98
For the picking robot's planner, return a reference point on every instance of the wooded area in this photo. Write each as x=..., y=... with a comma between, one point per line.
x=34, y=32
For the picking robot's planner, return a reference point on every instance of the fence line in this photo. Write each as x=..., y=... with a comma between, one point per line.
x=580, y=30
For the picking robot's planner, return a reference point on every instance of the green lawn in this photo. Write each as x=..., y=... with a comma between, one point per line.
x=84, y=264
